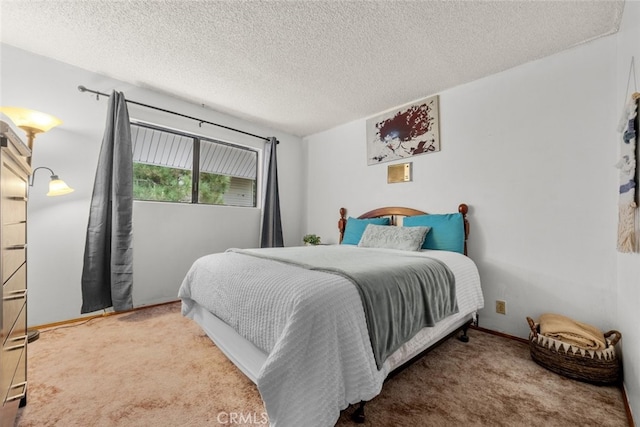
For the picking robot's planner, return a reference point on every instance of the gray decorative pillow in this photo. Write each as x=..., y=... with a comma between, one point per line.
x=403, y=238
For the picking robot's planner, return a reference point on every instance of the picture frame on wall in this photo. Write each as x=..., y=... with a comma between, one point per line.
x=408, y=131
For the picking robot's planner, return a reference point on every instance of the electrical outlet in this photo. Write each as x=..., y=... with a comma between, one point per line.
x=501, y=307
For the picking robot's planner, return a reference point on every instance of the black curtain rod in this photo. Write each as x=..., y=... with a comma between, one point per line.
x=84, y=89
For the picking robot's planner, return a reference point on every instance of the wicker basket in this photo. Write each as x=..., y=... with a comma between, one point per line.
x=598, y=367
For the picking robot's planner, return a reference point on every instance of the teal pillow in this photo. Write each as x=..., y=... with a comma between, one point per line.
x=446, y=234
x=355, y=227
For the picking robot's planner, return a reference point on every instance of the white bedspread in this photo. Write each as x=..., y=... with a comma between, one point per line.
x=310, y=323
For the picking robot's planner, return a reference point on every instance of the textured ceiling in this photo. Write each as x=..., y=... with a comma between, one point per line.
x=302, y=66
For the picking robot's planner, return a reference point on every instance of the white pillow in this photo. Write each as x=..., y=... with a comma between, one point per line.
x=403, y=238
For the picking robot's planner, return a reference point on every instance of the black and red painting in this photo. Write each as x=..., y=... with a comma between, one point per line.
x=410, y=131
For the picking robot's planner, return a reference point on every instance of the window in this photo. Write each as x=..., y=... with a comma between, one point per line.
x=166, y=169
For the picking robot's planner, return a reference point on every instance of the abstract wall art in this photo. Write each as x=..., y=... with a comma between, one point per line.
x=409, y=131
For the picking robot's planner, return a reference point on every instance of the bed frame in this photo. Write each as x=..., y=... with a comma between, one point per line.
x=395, y=213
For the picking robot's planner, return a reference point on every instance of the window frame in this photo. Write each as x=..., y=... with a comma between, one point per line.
x=195, y=164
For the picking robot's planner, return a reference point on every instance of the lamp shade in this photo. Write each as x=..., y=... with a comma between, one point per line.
x=58, y=187
x=32, y=120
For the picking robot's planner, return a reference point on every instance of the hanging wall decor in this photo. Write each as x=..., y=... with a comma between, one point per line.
x=628, y=179
x=409, y=131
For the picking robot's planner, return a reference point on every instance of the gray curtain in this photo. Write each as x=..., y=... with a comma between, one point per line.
x=107, y=275
x=271, y=230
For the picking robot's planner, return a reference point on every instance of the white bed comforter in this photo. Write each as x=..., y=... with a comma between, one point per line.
x=310, y=323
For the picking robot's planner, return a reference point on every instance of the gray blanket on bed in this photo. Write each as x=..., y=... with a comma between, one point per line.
x=401, y=292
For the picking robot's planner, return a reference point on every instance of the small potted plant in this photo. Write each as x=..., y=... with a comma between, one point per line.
x=311, y=239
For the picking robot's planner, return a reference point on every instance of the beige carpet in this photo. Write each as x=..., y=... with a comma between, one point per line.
x=155, y=368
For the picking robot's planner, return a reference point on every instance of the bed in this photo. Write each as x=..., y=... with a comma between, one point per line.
x=297, y=323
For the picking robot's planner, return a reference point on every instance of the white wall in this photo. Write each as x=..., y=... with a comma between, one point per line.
x=628, y=290
x=531, y=151
x=167, y=237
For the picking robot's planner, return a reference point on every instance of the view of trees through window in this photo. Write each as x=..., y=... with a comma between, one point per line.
x=161, y=183
x=163, y=169
x=213, y=188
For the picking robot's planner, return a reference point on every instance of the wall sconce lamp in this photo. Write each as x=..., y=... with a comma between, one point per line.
x=32, y=122
x=57, y=187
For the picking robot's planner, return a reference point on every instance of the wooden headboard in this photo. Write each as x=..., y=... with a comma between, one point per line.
x=394, y=212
